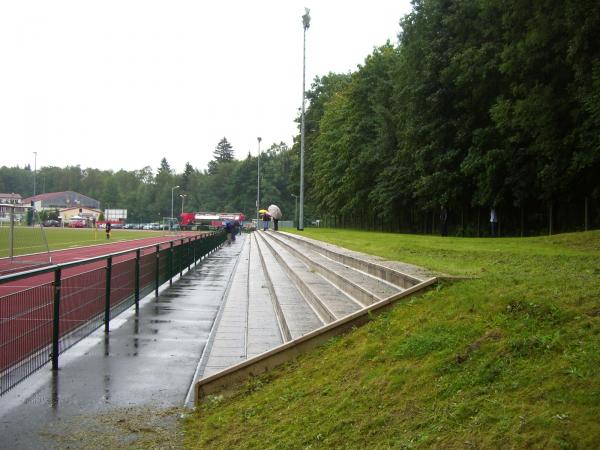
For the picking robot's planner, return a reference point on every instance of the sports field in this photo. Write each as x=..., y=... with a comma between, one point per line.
x=29, y=240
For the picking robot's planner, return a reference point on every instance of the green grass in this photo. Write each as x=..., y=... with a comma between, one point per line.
x=508, y=359
x=30, y=240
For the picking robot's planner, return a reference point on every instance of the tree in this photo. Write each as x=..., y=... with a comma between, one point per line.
x=223, y=154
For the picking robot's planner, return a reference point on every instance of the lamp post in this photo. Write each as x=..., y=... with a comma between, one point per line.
x=295, y=208
x=171, y=218
x=34, y=171
x=258, y=183
x=306, y=25
x=183, y=196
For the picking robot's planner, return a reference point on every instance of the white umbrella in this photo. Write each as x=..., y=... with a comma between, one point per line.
x=275, y=212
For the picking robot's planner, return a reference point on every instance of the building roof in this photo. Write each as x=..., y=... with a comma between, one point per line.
x=64, y=199
x=11, y=195
x=77, y=208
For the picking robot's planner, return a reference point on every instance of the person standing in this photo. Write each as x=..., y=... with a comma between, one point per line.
x=444, y=221
x=493, y=222
x=235, y=230
x=228, y=231
x=266, y=219
x=108, y=228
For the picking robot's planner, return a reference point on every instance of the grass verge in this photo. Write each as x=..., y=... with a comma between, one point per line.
x=509, y=359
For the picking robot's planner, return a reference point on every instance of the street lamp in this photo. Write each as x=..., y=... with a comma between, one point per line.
x=295, y=208
x=183, y=196
x=171, y=218
x=34, y=171
x=306, y=25
x=258, y=183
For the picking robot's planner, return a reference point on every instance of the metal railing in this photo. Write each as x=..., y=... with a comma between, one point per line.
x=64, y=303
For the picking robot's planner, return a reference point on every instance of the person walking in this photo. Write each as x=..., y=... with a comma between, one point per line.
x=228, y=231
x=266, y=219
x=235, y=229
x=108, y=228
x=493, y=222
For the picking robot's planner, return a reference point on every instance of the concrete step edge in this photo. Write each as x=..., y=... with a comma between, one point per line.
x=388, y=274
x=311, y=297
x=223, y=381
x=356, y=291
x=283, y=326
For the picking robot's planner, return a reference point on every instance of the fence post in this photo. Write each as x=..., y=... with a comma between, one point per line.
x=157, y=277
x=56, y=319
x=189, y=254
x=196, y=240
x=171, y=265
x=137, y=279
x=107, y=296
x=180, y=259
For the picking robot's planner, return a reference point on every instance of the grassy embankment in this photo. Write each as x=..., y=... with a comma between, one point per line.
x=30, y=240
x=510, y=359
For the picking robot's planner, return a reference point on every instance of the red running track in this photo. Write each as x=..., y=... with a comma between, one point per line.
x=26, y=305
x=81, y=253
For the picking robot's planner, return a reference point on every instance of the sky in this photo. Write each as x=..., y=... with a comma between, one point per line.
x=122, y=84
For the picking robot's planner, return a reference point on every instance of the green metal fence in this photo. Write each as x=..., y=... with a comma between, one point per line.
x=40, y=322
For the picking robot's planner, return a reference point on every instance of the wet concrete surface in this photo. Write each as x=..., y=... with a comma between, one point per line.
x=147, y=360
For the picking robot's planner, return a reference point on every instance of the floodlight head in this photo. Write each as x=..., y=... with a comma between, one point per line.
x=259, y=139
x=306, y=18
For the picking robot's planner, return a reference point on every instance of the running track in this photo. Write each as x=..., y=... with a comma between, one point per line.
x=26, y=304
x=80, y=253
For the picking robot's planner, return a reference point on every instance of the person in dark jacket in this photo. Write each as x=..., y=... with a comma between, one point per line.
x=235, y=229
x=108, y=228
x=444, y=221
x=228, y=231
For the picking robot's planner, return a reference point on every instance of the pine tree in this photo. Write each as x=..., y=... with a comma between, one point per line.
x=223, y=151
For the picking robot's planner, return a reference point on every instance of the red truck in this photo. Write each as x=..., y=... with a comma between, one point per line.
x=207, y=220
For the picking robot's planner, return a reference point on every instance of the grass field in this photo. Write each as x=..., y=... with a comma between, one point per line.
x=30, y=240
x=507, y=359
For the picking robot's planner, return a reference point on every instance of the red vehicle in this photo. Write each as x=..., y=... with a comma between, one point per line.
x=77, y=224
x=207, y=220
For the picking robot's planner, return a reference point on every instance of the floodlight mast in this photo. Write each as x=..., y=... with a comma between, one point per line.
x=306, y=25
x=183, y=196
x=34, y=172
x=171, y=219
x=258, y=184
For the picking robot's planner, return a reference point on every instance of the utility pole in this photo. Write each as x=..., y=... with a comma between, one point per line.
x=34, y=171
x=258, y=183
x=171, y=218
x=306, y=25
x=295, y=209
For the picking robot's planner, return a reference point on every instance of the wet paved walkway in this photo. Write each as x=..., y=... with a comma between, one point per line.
x=148, y=359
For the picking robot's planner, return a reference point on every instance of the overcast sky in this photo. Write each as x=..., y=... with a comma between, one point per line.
x=120, y=84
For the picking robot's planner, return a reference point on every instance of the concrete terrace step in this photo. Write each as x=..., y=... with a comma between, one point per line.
x=287, y=293
x=247, y=325
x=297, y=315
x=364, y=287
x=326, y=299
x=264, y=330
x=406, y=277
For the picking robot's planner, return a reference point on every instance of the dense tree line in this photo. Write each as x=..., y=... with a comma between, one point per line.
x=228, y=184
x=482, y=104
